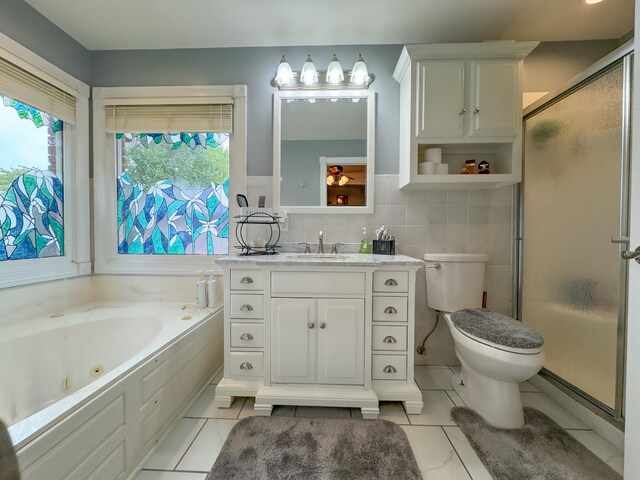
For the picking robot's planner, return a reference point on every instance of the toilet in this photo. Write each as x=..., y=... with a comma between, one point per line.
x=495, y=351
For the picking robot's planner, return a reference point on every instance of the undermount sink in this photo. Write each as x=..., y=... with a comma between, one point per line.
x=316, y=256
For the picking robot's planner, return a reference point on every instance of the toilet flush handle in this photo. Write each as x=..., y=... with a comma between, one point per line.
x=434, y=265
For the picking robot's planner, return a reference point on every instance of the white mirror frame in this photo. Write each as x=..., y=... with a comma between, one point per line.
x=278, y=98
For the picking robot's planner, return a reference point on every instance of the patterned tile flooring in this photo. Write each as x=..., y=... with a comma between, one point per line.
x=440, y=448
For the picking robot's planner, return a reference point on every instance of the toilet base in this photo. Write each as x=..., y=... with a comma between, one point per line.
x=497, y=402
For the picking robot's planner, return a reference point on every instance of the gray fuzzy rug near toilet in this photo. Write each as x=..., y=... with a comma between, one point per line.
x=540, y=450
x=280, y=448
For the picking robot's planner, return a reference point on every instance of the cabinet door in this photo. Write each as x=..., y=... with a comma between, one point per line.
x=494, y=98
x=341, y=341
x=293, y=340
x=440, y=99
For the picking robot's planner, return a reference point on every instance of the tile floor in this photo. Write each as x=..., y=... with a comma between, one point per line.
x=440, y=448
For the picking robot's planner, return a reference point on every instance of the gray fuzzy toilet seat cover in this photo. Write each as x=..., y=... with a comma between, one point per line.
x=496, y=328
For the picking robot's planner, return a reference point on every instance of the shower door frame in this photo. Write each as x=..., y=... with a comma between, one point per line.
x=624, y=56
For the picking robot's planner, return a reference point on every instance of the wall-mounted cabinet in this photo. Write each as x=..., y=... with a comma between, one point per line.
x=467, y=100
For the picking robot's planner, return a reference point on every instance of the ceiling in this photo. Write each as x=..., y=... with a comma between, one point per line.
x=149, y=24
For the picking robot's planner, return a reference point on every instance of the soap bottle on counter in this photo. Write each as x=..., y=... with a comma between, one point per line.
x=365, y=246
x=212, y=289
x=201, y=290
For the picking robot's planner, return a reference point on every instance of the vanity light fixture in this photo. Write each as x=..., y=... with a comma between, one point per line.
x=309, y=74
x=309, y=78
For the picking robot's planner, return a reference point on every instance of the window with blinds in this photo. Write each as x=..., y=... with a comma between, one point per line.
x=33, y=114
x=172, y=177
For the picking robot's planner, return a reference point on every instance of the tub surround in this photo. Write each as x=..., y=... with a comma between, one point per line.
x=301, y=329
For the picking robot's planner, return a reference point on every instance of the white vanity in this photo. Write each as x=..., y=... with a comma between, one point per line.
x=330, y=330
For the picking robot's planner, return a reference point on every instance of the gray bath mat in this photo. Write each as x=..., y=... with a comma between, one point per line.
x=540, y=450
x=279, y=448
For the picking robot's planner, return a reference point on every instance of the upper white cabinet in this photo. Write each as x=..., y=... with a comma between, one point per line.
x=467, y=100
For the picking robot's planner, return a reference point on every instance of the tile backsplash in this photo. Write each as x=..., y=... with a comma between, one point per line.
x=423, y=221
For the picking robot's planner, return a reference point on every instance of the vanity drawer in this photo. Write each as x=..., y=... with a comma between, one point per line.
x=246, y=279
x=389, y=309
x=317, y=283
x=246, y=306
x=245, y=334
x=390, y=281
x=389, y=338
x=246, y=364
x=389, y=367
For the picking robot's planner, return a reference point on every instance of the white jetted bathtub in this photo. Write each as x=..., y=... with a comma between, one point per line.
x=87, y=394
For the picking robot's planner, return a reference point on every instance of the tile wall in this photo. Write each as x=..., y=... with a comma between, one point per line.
x=423, y=221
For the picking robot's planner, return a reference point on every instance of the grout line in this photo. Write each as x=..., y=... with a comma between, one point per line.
x=455, y=450
x=190, y=445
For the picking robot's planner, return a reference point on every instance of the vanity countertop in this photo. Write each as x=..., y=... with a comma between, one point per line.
x=304, y=259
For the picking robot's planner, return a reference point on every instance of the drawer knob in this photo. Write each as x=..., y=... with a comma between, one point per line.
x=391, y=282
x=246, y=308
x=246, y=280
x=246, y=336
x=390, y=369
x=312, y=325
x=323, y=325
x=390, y=310
x=246, y=366
x=389, y=339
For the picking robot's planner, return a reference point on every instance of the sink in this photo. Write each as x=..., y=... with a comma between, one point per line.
x=316, y=256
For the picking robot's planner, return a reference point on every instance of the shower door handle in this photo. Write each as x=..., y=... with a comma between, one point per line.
x=635, y=255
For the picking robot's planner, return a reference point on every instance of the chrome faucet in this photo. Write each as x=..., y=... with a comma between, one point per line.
x=320, y=243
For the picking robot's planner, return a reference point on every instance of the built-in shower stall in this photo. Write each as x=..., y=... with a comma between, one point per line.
x=573, y=227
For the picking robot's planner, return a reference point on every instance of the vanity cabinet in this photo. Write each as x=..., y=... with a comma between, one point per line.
x=465, y=99
x=330, y=332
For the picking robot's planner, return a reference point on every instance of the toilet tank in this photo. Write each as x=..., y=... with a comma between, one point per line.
x=457, y=283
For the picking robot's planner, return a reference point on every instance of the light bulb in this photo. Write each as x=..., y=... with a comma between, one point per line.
x=359, y=73
x=329, y=179
x=284, y=75
x=343, y=179
x=309, y=74
x=334, y=71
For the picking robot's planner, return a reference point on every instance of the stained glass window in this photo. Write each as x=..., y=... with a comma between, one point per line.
x=172, y=193
x=31, y=187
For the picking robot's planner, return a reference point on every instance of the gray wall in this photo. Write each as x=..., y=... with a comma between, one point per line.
x=28, y=27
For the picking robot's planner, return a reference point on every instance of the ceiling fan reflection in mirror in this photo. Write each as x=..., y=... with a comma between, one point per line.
x=335, y=175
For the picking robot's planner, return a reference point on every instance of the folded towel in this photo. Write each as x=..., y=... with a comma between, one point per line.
x=8, y=462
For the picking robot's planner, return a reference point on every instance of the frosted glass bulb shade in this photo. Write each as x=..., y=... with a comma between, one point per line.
x=309, y=74
x=359, y=73
x=343, y=179
x=329, y=179
x=284, y=75
x=335, y=74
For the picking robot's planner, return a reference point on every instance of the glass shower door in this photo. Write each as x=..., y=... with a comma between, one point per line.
x=572, y=279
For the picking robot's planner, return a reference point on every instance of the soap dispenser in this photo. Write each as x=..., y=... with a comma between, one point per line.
x=365, y=246
x=201, y=290
x=212, y=289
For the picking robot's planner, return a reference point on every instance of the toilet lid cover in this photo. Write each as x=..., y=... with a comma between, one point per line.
x=496, y=328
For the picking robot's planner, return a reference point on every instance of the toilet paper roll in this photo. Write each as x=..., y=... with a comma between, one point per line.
x=433, y=155
x=427, y=168
x=442, y=169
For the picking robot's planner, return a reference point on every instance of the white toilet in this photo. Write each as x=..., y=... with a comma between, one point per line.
x=496, y=352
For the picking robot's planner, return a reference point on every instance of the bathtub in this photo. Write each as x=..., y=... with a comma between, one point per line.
x=87, y=394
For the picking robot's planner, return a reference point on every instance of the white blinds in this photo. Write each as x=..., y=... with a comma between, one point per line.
x=217, y=117
x=25, y=87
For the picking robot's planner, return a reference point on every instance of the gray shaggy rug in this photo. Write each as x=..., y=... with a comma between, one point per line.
x=279, y=448
x=540, y=450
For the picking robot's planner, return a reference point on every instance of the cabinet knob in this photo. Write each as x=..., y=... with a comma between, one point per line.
x=246, y=308
x=463, y=111
x=476, y=111
x=323, y=325
x=246, y=280
x=246, y=366
x=389, y=369
x=391, y=282
x=246, y=336
x=389, y=339
x=312, y=325
x=390, y=310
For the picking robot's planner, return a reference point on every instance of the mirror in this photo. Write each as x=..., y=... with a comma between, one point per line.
x=323, y=144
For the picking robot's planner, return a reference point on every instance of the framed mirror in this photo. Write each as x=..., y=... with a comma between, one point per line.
x=323, y=151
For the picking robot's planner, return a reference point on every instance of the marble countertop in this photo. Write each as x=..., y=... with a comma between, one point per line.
x=312, y=259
